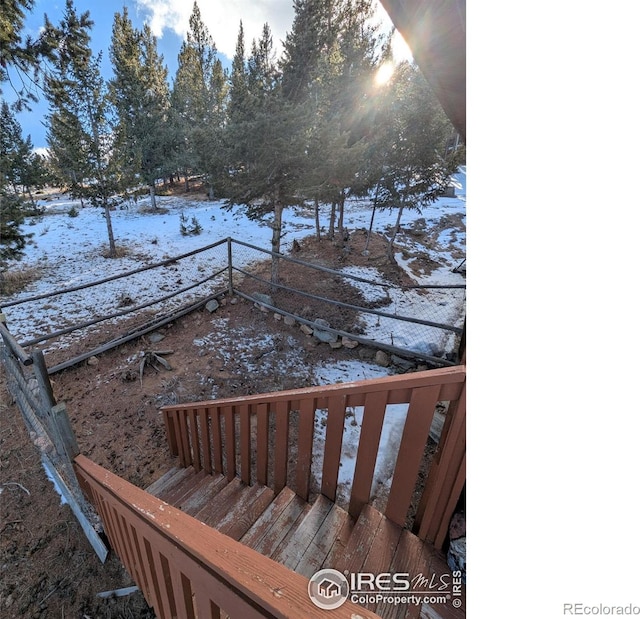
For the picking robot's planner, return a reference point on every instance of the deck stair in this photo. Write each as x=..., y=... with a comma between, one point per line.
x=307, y=536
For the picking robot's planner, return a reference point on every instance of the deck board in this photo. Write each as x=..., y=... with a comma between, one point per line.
x=290, y=550
x=202, y=494
x=281, y=527
x=221, y=503
x=260, y=527
x=184, y=488
x=360, y=541
x=255, y=499
x=313, y=558
x=161, y=482
x=173, y=483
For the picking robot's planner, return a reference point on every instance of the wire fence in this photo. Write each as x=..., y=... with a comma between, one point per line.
x=48, y=425
x=425, y=322
x=116, y=309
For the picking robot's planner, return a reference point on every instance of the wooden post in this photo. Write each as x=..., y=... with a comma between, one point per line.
x=10, y=342
x=42, y=375
x=61, y=423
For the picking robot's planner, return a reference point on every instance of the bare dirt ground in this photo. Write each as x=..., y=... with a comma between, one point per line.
x=47, y=567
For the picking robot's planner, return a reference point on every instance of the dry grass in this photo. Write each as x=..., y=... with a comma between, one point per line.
x=17, y=279
x=121, y=251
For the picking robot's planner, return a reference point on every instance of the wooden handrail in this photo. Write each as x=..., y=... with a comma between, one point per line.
x=233, y=436
x=399, y=384
x=186, y=569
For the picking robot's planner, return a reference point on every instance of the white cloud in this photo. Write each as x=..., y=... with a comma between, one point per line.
x=222, y=18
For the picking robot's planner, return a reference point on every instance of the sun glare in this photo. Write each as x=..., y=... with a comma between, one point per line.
x=384, y=73
x=400, y=49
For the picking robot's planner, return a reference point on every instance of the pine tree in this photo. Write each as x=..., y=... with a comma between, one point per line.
x=80, y=124
x=239, y=105
x=198, y=101
x=328, y=66
x=412, y=140
x=21, y=54
x=34, y=173
x=267, y=142
x=12, y=160
x=140, y=94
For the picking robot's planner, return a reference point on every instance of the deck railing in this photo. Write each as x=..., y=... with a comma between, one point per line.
x=186, y=569
x=249, y=437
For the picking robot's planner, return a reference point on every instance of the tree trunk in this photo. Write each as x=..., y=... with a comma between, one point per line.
x=152, y=194
x=316, y=208
x=278, y=208
x=341, y=217
x=33, y=202
x=112, y=242
x=365, y=251
x=395, y=231
x=332, y=221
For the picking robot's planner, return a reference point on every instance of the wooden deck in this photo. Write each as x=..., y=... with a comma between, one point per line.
x=306, y=537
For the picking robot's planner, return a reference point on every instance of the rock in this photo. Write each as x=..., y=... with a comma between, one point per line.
x=457, y=556
x=366, y=354
x=212, y=306
x=92, y=361
x=264, y=309
x=348, y=343
x=403, y=364
x=154, y=338
x=335, y=345
x=322, y=334
x=234, y=300
x=457, y=553
x=306, y=329
x=277, y=316
x=382, y=358
x=289, y=320
x=263, y=298
x=458, y=526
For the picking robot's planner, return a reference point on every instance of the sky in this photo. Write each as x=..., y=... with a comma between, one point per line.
x=169, y=22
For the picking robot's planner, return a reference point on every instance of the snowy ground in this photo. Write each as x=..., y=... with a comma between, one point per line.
x=68, y=251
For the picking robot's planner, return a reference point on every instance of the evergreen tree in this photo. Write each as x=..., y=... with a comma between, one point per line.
x=34, y=173
x=330, y=56
x=266, y=150
x=11, y=147
x=140, y=94
x=238, y=105
x=23, y=54
x=413, y=137
x=198, y=102
x=80, y=124
x=12, y=160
